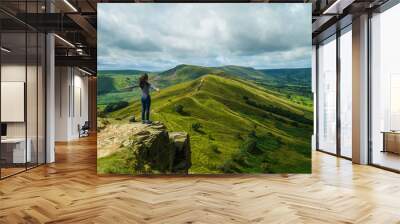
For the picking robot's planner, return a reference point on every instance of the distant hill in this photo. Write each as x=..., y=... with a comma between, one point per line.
x=121, y=72
x=183, y=73
x=292, y=76
x=112, y=84
x=115, y=80
x=235, y=126
x=245, y=72
x=291, y=83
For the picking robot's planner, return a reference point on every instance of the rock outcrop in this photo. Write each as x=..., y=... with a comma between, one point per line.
x=153, y=148
x=182, y=154
x=156, y=150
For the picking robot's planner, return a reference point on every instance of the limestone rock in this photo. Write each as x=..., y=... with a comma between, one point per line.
x=157, y=151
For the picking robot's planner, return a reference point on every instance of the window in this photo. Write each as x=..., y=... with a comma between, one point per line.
x=22, y=88
x=385, y=89
x=327, y=96
x=346, y=92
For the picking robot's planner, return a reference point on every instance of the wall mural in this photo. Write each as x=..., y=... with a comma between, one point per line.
x=204, y=88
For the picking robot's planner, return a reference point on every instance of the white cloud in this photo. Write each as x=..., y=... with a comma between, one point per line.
x=161, y=36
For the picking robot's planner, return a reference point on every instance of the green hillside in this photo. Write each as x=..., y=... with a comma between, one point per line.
x=236, y=126
x=294, y=84
x=113, y=86
x=247, y=73
x=112, y=81
x=182, y=73
x=290, y=76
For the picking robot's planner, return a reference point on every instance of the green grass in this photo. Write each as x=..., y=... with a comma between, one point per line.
x=117, y=163
x=227, y=122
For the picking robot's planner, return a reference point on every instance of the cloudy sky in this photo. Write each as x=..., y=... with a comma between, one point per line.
x=156, y=37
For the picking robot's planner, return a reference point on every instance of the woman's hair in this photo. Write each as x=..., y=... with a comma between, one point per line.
x=143, y=80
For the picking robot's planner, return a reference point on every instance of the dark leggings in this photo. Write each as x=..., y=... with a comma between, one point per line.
x=146, y=101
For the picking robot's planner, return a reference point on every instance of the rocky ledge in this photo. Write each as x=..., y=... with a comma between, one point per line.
x=154, y=149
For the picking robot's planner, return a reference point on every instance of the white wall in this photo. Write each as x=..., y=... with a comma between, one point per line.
x=71, y=102
x=17, y=73
x=12, y=73
x=50, y=95
x=33, y=126
x=80, y=110
x=62, y=82
x=360, y=90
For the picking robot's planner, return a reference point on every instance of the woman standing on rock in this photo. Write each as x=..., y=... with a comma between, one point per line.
x=146, y=99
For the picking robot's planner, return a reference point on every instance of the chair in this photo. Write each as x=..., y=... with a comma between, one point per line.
x=84, y=130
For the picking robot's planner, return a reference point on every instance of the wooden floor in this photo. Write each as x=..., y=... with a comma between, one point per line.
x=69, y=191
x=387, y=159
x=5, y=172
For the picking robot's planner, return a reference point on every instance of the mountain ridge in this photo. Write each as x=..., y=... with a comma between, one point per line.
x=228, y=118
x=294, y=83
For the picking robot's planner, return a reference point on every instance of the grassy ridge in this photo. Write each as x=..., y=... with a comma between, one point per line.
x=234, y=136
x=293, y=84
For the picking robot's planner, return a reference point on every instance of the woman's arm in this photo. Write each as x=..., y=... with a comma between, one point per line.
x=130, y=88
x=155, y=88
